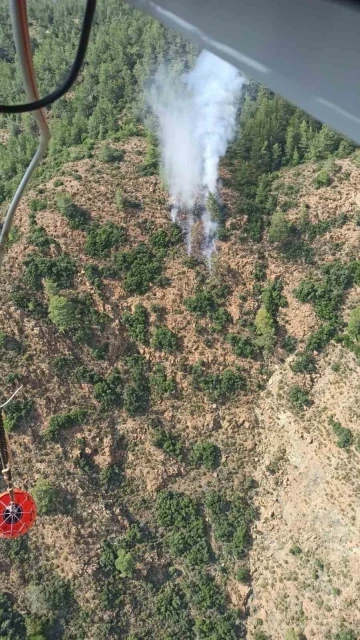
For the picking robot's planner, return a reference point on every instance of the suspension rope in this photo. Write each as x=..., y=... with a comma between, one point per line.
x=4, y=447
x=2, y=406
x=18, y=12
x=5, y=451
x=5, y=459
x=35, y=103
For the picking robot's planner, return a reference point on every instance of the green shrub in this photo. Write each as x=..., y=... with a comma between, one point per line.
x=289, y=344
x=132, y=537
x=135, y=400
x=125, y=564
x=206, y=454
x=306, y=291
x=353, y=327
x=82, y=374
x=46, y=497
x=279, y=229
x=185, y=531
x=60, y=270
x=107, y=558
x=119, y=199
x=346, y=634
x=218, y=386
x=77, y=217
x=202, y=303
x=63, y=365
x=110, y=154
x=327, y=292
x=217, y=627
x=62, y=313
x=297, y=248
x=164, y=339
x=298, y=398
x=346, y=147
x=220, y=319
x=94, y=275
x=157, y=309
x=16, y=413
x=137, y=389
x=315, y=229
x=322, y=179
x=23, y=298
x=243, y=575
x=260, y=271
x=174, y=614
x=169, y=443
x=109, y=392
x=36, y=205
x=101, y=238
x=100, y=352
x=63, y=421
x=304, y=363
x=137, y=323
x=293, y=634
x=265, y=329
x=288, y=203
x=166, y=237
x=110, y=477
x=13, y=377
x=76, y=315
x=150, y=166
x=215, y=208
x=295, y=550
x=272, y=297
x=174, y=509
x=36, y=628
x=254, y=211
x=356, y=158
x=49, y=597
x=240, y=539
x=161, y=384
x=10, y=343
x=11, y=621
x=318, y=340
x=344, y=435
x=242, y=347
x=39, y=237
x=35, y=269
x=141, y=267
x=203, y=592
x=231, y=520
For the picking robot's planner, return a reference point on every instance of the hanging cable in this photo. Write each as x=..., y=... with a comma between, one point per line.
x=20, y=27
x=5, y=452
x=35, y=102
x=17, y=507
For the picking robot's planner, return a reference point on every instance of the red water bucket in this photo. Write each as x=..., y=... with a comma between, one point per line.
x=16, y=518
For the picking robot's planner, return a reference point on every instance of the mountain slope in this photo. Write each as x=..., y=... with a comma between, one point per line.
x=146, y=423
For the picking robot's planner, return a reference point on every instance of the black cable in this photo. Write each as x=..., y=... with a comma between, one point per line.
x=74, y=72
x=4, y=452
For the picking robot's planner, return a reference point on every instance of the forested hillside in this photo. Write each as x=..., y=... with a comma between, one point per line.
x=191, y=435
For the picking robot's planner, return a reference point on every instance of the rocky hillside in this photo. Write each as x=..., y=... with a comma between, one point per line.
x=191, y=435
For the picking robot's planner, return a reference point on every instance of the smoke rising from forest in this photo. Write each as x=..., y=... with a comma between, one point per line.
x=196, y=115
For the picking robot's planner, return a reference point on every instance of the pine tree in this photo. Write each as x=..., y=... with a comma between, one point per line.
x=265, y=329
x=279, y=228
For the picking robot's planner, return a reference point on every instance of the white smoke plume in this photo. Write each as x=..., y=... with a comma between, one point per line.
x=196, y=116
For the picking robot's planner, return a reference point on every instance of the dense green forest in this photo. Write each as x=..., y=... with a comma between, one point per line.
x=190, y=545
x=125, y=50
